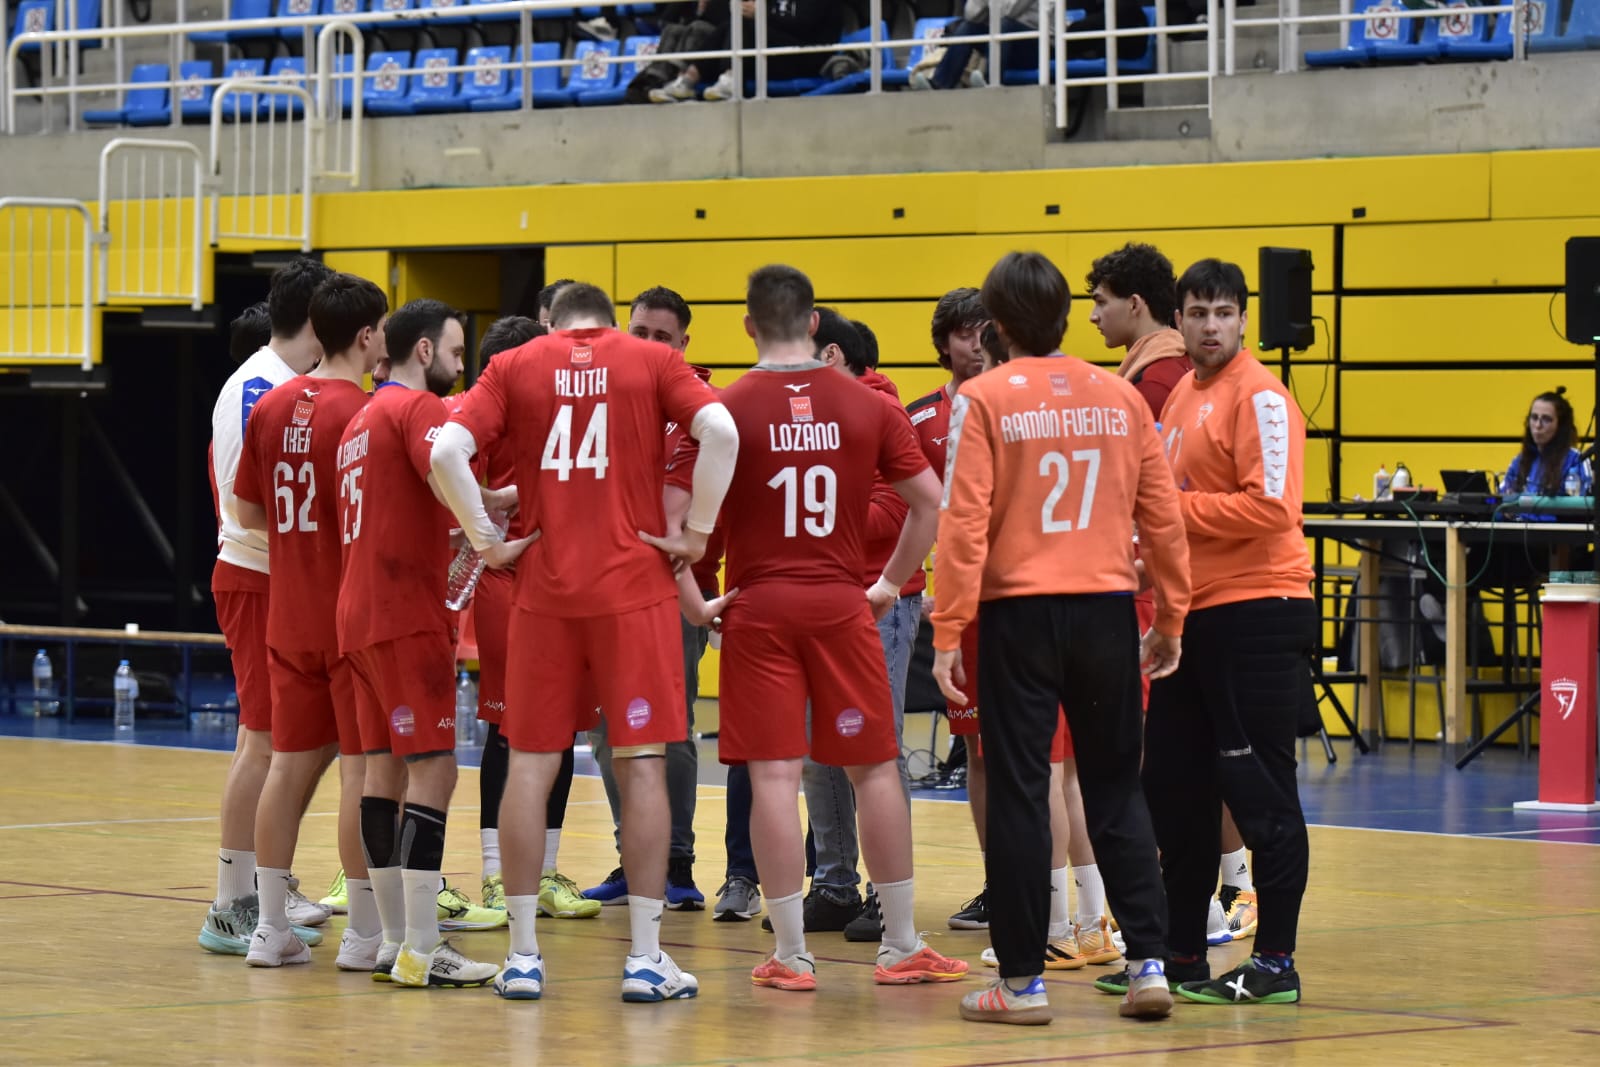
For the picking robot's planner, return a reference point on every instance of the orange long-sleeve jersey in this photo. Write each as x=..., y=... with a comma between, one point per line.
x=1051, y=461
x=1237, y=444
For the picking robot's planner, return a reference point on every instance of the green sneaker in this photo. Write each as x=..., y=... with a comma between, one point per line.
x=1248, y=983
x=560, y=899
x=456, y=912
x=494, y=892
x=338, y=897
x=1117, y=984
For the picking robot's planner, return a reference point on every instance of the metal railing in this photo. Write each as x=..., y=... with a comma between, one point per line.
x=1114, y=77
x=330, y=122
x=255, y=185
x=1527, y=17
x=141, y=239
x=48, y=318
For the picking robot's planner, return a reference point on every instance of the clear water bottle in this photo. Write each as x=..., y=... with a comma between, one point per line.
x=1401, y=479
x=124, y=692
x=465, y=570
x=44, y=685
x=466, y=711
x=1380, y=483
x=1571, y=486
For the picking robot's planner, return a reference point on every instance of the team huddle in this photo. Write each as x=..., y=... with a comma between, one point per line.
x=1089, y=528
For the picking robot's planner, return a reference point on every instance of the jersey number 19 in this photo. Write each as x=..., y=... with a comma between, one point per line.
x=821, y=491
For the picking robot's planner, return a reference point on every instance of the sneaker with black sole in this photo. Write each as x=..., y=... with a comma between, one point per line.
x=868, y=925
x=974, y=914
x=738, y=901
x=1249, y=983
x=1177, y=973
x=826, y=910
x=682, y=893
x=614, y=890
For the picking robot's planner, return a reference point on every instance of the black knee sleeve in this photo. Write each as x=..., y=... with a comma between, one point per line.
x=422, y=838
x=379, y=816
x=555, y=813
x=492, y=777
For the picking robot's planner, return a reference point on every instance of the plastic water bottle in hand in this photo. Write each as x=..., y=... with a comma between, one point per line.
x=465, y=570
x=124, y=692
x=1571, y=486
x=44, y=685
x=466, y=711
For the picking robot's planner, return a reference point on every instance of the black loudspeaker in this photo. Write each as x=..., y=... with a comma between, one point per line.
x=1583, y=290
x=1286, y=299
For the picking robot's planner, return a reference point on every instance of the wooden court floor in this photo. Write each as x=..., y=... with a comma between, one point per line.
x=1414, y=950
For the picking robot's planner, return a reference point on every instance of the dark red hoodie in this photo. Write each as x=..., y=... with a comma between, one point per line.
x=887, y=512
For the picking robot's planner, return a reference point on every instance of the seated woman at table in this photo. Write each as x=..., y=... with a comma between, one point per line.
x=1548, y=460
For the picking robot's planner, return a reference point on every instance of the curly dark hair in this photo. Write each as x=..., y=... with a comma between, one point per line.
x=1139, y=270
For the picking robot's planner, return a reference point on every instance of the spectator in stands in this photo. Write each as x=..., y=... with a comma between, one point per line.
x=1021, y=16
x=790, y=23
x=1548, y=460
x=685, y=27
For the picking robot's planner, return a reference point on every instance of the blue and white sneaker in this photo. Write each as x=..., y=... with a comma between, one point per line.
x=682, y=893
x=614, y=890
x=227, y=931
x=646, y=980
x=522, y=977
x=1148, y=996
x=1217, y=932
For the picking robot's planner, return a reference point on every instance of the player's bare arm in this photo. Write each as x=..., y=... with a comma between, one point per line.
x=950, y=675
x=694, y=605
x=252, y=516
x=921, y=494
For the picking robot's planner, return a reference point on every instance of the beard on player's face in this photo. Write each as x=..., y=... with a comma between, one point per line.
x=438, y=378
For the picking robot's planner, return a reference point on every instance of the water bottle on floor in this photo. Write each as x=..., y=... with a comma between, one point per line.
x=124, y=691
x=44, y=685
x=466, y=711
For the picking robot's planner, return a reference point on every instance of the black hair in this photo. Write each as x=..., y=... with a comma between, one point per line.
x=342, y=307
x=1028, y=300
x=660, y=298
x=1213, y=279
x=958, y=309
x=1552, y=457
x=1139, y=270
x=414, y=321
x=289, y=301
x=834, y=329
x=547, y=295
x=578, y=300
x=869, y=342
x=512, y=331
x=250, y=332
x=994, y=344
x=780, y=300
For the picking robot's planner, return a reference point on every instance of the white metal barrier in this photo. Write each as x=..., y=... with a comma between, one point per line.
x=49, y=302
x=1114, y=77
x=147, y=200
x=267, y=171
x=338, y=137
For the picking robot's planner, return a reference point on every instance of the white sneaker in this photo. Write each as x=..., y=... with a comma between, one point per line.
x=383, y=965
x=723, y=90
x=1217, y=932
x=679, y=88
x=988, y=957
x=357, y=953
x=444, y=966
x=521, y=977
x=999, y=1003
x=920, y=80
x=1149, y=996
x=302, y=910
x=646, y=979
x=228, y=930
x=272, y=947
x=974, y=79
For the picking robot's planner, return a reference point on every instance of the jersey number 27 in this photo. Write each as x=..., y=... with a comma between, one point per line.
x=1055, y=464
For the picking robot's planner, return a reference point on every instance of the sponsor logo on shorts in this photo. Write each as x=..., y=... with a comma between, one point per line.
x=638, y=713
x=800, y=409
x=402, y=721
x=850, y=722
x=963, y=714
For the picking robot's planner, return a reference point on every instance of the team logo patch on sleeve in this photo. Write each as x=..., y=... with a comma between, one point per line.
x=1060, y=385
x=800, y=409
x=582, y=355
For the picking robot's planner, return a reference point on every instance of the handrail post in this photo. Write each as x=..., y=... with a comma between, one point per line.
x=1230, y=42
x=875, y=56
x=761, y=50
x=1113, y=97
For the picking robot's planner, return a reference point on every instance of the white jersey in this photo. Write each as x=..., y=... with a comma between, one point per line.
x=255, y=376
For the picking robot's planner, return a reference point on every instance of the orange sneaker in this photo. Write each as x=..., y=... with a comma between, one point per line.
x=921, y=965
x=798, y=973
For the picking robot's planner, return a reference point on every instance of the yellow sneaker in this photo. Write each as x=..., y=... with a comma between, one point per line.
x=338, y=897
x=494, y=892
x=1242, y=915
x=1095, y=944
x=456, y=912
x=1063, y=954
x=560, y=899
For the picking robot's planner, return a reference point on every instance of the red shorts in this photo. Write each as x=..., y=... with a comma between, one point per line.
x=313, y=702
x=491, y=619
x=1144, y=609
x=406, y=694
x=630, y=665
x=767, y=675
x=964, y=720
x=242, y=614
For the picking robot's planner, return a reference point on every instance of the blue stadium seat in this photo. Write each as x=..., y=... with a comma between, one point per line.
x=385, y=83
x=294, y=36
x=544, y=80
x=33, y=16
x=191, y=88
x=589, y=72
x=1411, y=43
x=1143, y=63
x=639, y=50
x=1358, y=52
x=194, y=97
x=1581, y=31
x=428, y=81
x=484, y=82
x=1472, y=42
x=147, y=98
x=239, y=10
x=290, y=70
x=437, y=12
x=860, y=81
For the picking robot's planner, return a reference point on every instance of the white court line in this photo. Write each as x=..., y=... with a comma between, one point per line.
x=1443, y=833
x=211, y=818
x=1549, y=830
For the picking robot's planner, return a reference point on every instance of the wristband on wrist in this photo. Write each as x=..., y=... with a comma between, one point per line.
x=883, y=585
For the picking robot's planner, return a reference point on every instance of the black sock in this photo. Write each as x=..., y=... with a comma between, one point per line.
x=422, y=838
x=379, y=830
x=555, y=813
x=492, y=777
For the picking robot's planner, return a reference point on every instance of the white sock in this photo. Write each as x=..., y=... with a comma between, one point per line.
x=644, y=917
x=789, y=924
x=1235, y=870
x=421, y=908
x=552, y=847
x=236, y=875
x=273, y=885
x=899, y=923
x=389, y=890
x=491, y=852
x=1091, y=895
x=1060, y=908
x=522, y=910
x=363, y=905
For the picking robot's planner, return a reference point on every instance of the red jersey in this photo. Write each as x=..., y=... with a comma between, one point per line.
x=930, y=417
x=581, y=414
x=810, y=445
x=396, y=533
x=886, y=516
x=287, y=467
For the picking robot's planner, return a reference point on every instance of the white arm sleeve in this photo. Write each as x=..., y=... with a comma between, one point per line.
x=713, y=427
x=451, y=461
